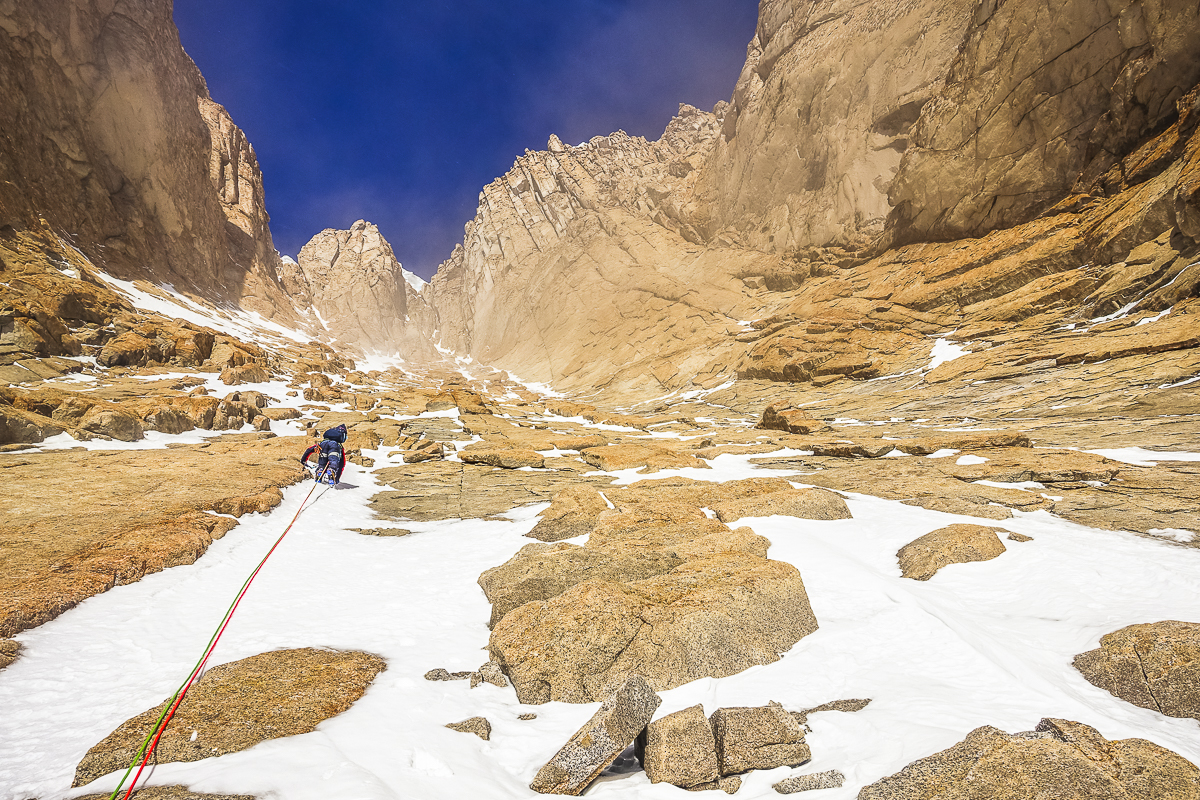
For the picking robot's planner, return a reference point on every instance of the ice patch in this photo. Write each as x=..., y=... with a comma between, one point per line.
x=968, y=460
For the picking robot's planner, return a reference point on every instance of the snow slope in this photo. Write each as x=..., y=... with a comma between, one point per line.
x=983, y=643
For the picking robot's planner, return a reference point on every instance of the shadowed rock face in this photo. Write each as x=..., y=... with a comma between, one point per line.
x=1061, y=759
x=112, y=138
x=820, y=118
x=1155, y=666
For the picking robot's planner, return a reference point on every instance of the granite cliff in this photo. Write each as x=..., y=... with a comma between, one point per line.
x=112, y=142
x=885, y=172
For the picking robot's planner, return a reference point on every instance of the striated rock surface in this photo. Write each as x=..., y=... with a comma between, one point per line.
x=237, y=705
x=1042, y=99
x=1155, y=665
x=820, y=118
x=356, y=287
x=1061, y=759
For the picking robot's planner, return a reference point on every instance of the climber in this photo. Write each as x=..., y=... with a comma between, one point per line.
x=332, y=456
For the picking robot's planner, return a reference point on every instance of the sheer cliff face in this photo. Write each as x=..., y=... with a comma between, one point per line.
x=581, y=267
x=353, y=282
x=111, y=138
x=1044, y=97
x=820, y=118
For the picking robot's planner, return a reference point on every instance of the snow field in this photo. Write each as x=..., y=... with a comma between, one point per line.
x=985, y=643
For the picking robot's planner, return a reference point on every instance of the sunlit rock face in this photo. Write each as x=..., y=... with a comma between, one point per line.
x=357, y=289
x=112, y=139
x=1042, y=99
x=581, y=267
x=820, y=118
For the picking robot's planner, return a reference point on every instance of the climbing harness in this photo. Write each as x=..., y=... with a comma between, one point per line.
x=164, y=718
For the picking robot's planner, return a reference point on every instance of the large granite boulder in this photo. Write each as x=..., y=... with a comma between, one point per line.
x=541, y=571
x=708, y=617
x=1063, y=760
x=1154, y=665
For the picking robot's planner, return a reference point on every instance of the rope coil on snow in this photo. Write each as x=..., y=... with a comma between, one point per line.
x=151, y=741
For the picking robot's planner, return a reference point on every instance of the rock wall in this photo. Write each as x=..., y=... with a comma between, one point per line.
x=1043, y=96
x=110, y=139
x=580, y=267
x=856, y=131
x=820, y=118
x=357, y=288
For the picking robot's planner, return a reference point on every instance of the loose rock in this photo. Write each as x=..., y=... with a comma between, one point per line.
x=762, y=737
x=476, y=725
x=597, y=744
x=921, y=558
x=831, y=779
x=681, y=749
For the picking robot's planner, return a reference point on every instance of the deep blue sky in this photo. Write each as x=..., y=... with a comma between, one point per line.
x=400, y=112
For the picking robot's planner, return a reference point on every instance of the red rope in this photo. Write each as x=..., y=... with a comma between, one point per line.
x=164, y=721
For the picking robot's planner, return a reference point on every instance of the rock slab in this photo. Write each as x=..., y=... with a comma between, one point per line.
x=921, y=558
x=1154, y=665
x=761, y=737
x=237, y=705
x=597, y=744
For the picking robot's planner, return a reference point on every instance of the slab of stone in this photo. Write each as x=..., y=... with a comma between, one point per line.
x=622, y=716
x=791, y=420
x=1154, y=665
x=132, y=512
x=762, y=737
x=681, y=749
x=437, y=490
x=649, y=457
x=921, y=558
x=237, y=705
x=803, y=503
x=503, y=457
